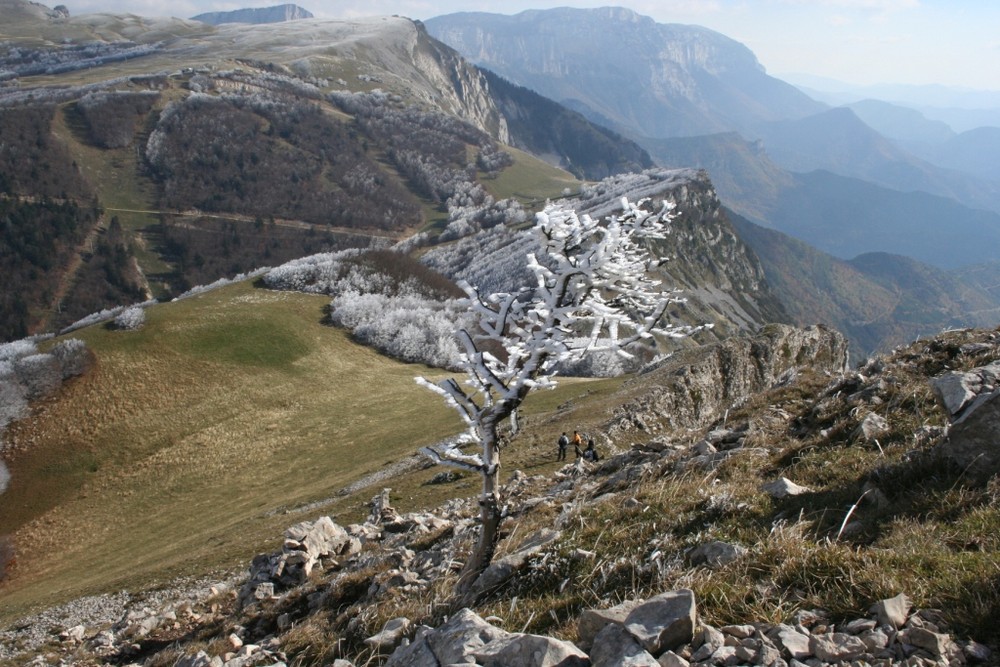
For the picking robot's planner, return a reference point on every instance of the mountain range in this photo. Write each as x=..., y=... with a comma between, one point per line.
x=686, y=85
x=125, y=140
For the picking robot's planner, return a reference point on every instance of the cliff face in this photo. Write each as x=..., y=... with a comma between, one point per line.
x=694, y=387
x=719, y=275
x=658, y=80
x=276, y=14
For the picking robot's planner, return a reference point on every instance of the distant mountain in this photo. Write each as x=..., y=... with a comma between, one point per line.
x=982, y=276
x=847, y=217
x=878, y=300
x=975, y=152
x=902, y=124
x=276, y=14
x=918, y=96
x=561, y=136
x=747, y=180
x=615, y=66
x=961, y=109
x=680, y=90
x=838, y=141
x=839, y=215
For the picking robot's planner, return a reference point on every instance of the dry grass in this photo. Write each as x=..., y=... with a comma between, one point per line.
x=931, y=535
x=185, y=446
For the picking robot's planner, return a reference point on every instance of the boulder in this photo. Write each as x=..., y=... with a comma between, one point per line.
x=317, y=538
x=958, y=390
x=592, y=621
x=892, y=611
x=614, y=646
x=795, y=643
x=783, y=488
x=391, y=636
x=871, y=427
x=530, y=651
x=937, y=644
x=671, y=659
x=454, y=642
x=972, y=440
x=836, y=647
x=664, y=622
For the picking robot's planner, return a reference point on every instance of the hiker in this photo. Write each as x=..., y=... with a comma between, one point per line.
x=590, y=454
x=563, y=444
x=577, y=441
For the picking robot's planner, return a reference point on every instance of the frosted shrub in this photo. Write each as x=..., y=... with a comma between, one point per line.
x=221, y=282
x=40, y=374
x=411, y=328
x=13, y=401
x=493, y=259
x=73, y=357
x=395, y=313
x=94, y=318
x=130, y=319
x=17, y=349
x=316, y=274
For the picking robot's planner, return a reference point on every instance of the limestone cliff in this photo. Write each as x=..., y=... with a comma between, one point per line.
x=694, y=387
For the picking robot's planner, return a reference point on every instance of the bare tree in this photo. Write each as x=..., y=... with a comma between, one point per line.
x=593, y=293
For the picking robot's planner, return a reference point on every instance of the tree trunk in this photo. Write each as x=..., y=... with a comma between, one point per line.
x=490, y=515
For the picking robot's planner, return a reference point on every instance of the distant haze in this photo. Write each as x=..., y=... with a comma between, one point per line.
x=857, y=41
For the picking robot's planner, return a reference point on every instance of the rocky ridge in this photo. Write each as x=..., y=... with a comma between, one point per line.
x=380, y=586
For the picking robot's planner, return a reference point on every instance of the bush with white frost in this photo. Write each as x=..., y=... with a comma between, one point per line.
x=40, y=374
x=73, y=357
x=103, y=316
x=399, y=318
x=411, y=328
x=26, y=374
x=13, y=399
x=130, y=319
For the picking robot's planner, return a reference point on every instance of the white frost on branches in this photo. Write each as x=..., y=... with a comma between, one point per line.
x=592, y=292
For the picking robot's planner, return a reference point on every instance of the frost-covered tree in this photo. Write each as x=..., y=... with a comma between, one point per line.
x=592, y=292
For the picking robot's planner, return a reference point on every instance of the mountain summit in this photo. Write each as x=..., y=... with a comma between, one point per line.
x=276, y=14
x=623, y=69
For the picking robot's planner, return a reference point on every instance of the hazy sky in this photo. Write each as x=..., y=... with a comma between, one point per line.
x=951, y=42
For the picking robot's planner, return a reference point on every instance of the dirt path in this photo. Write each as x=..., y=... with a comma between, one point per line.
x=281, y=222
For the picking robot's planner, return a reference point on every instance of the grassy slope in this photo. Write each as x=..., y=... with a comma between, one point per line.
x=193, y=443
x=530, y=180
x=174, y=452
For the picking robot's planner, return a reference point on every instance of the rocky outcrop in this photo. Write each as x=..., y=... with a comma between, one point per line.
x=716, y=273
x=694, y=387
x=665, y=631
x=972, y=400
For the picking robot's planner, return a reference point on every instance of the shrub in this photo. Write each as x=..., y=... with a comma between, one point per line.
x=130, y=319
x=13, y=401
x=73, y=357
x=40, y=374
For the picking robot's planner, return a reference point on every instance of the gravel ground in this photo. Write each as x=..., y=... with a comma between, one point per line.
x=98, y=612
